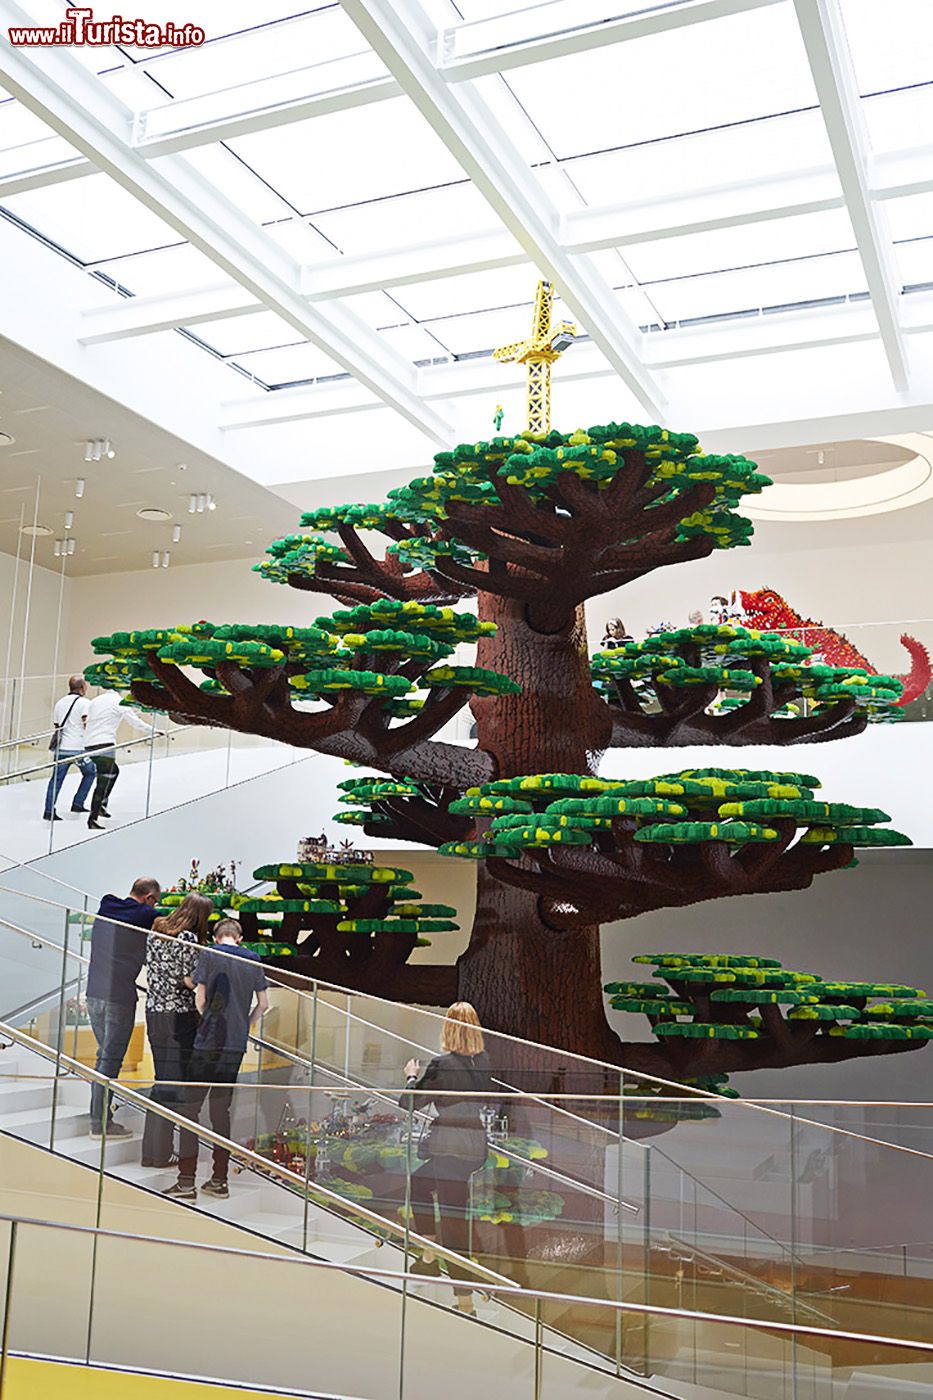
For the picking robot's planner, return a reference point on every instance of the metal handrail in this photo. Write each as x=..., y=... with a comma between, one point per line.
x=55, y=762
x=583, y=1187
x=510, y=1290
x=684, y=1092
x=255, y=1159
x=24, y=739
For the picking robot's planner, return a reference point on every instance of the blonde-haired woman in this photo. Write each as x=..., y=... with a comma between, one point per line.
x=172, y=951
x=454, y=1145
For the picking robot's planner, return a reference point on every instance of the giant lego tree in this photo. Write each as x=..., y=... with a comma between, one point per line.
x=500, y=548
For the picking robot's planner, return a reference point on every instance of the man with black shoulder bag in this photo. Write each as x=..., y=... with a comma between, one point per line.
x=66, y=746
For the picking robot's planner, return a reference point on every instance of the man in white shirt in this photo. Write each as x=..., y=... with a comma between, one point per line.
x=104, y=716
x=68, y=718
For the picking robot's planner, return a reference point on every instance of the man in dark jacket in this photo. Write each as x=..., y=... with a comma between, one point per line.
x=117, y=954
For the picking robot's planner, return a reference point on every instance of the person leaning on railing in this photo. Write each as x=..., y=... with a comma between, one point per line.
x=454, y=1143
x=173, y=949
x=117, y=955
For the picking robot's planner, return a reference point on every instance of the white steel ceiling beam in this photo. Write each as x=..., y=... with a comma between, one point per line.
x=184, y=131
x=463, y=58
x=831, y=66
x=586, y=231
x=319, y=282
x=54, y=86
x=848, y=324
x=403, y=41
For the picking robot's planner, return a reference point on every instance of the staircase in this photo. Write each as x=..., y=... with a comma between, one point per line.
x=626, y=1256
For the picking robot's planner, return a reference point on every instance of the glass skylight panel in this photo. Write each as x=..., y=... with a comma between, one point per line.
x=491, y=24
x=377, y=309
x=898, y=121
x=473, y=291
x=739, y=68
x=26, y=143
x=911, y=217
x=289, y=365
x=92, y=218
x=730, y=163
x=452, y=211
x=482, y=330
x=758, y=288
x=775, y=240
x=243, y=335
x=347, y=157
x=166, y=270
x=891, y=43
x=414, y=343
x=216, y=20
x=262, y=51
x=220, y=170
x=301, y=240
x=18, y=126
x=914, y=262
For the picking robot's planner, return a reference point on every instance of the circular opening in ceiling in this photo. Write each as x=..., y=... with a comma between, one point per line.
x=154, y=513
x=6, y=439
x=37, y=530
x=844, y=480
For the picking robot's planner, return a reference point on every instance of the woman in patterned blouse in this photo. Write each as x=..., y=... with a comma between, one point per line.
x=172, y=951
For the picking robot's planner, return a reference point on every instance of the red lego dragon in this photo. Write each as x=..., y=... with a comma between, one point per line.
x=766, y=610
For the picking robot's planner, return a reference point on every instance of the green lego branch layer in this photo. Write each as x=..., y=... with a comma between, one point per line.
x=530, y=528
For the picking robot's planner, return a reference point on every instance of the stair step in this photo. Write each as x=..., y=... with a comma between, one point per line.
x=34, y=1123
x=19, y=1094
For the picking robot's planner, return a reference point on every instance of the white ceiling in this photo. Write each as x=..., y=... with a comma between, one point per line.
x=50, y=415
x=293, y=248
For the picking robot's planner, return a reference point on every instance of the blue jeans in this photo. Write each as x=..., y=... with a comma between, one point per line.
x=112, y=1023
x=66, y=757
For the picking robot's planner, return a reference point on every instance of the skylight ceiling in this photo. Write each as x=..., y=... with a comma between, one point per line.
x=702, y=162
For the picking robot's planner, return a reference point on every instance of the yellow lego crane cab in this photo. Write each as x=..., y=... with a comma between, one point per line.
x=546, y=344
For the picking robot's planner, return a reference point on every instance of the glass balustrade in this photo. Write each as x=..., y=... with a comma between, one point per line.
x=97, y=1295
x=597, y=1184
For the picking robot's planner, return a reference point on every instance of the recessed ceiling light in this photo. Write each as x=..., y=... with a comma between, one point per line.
x=154, y=513
x=6, y=439
x=37, y=530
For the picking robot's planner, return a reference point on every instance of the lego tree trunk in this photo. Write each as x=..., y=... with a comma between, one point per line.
x=524, y=978
x=533, y=982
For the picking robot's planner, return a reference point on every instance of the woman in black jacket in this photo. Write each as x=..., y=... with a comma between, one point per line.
x=454, y=1145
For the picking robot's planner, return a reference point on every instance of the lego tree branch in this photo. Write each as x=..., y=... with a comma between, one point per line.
x=720, y=1013
x=729, y=685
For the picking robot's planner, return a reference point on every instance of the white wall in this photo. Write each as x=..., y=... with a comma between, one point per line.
x=219, y=592
x=41, y=655
x=263, y=1321
x=831, y=577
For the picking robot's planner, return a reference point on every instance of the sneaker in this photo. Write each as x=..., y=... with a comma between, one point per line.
x=51, y=817
x=216, y=1188
x=114, y=1130
x=182, y=1190
x=85, y=810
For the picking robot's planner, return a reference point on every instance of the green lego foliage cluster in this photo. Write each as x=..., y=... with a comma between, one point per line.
x=480, y=473
x=692, y=807
x=723, y=656
x=721, y=997
x=328, y=896
x=355, y=650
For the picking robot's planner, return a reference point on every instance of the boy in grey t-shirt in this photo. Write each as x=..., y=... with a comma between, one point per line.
x=226, y=979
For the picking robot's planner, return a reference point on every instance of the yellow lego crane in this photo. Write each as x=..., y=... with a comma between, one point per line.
x=547, y=344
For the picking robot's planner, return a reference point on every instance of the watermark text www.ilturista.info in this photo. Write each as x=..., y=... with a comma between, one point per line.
x=80, y=28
